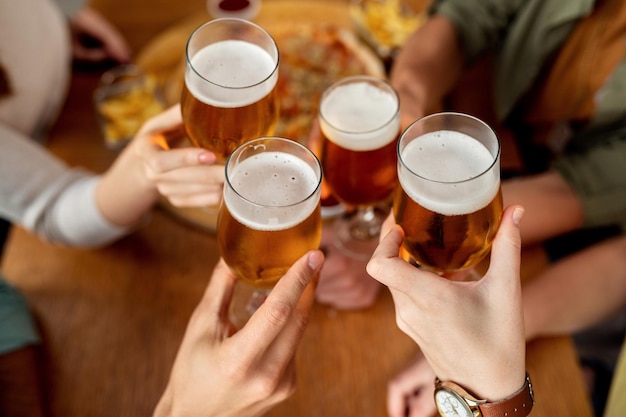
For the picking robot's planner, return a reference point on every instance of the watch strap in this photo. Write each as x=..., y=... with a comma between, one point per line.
x=517, y=404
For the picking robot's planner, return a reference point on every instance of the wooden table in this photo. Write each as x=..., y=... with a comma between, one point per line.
x=112, y=319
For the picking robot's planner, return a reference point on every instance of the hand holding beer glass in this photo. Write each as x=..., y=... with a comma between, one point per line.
x=450, y=202
x=360, y=123
x=270, y=216
x=229, y=95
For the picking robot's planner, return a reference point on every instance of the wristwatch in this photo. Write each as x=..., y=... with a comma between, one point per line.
x=454, y=401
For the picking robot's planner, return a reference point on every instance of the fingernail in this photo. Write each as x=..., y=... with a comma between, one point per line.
x=206, y=157
x=315, y=260
x=518, y=213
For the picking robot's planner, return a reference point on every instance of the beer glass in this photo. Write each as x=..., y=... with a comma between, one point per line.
x=450, y=202
x=360, y=124
x=229, y=95
x=269, y=217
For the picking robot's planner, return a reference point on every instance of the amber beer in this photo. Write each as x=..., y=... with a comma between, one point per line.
x=270, y=214
x=450, y=201
x=360, y=126
x=230, y=93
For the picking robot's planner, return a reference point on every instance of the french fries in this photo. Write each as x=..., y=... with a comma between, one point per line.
x=386, y=24
x=122, y=111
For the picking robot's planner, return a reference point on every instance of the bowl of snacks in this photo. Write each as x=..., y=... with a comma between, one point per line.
x=386, y=24
x=125, y=98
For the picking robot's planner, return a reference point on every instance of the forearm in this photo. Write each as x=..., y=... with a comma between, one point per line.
x=427, y=67
x=577, y=292
x=552, y=208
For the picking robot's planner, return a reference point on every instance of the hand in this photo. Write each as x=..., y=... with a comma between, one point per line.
x=187, y=176
x=411, y=392
x=95, y=39
x=151, y=165
x=344, y=283
x=218, y=373
x=470, y=332
x=409, y=92
x=427, y=68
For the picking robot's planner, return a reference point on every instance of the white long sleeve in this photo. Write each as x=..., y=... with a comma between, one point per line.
x=37, y=190
x=41, y=193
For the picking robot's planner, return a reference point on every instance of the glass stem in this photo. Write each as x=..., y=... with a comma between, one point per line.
x=257, y=298
x=366, y=224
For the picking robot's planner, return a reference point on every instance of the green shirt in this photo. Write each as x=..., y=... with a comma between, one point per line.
x=17, y=328
x=524, y=34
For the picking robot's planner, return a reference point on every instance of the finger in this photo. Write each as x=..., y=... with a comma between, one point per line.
x=208, y=199
x=170, y=163
x=183, y=190
x=335, y=270
x=183, y=168
x=389, y=222
x=506, y=250
x=283, y=349
x=385, y=264
x=117, y=47
x=206, y=182
x=399, y=393
x=162, y=131
x=274, y=314
x=348, y=287
x=164, y=121
x=397, y=405
x=190, y=186
x=88, y=54
x=170, y=137
x=389, y=269
x=423, y=404
x=96, y=25
x=213, y=306
x=413, y=382
x=285, y=386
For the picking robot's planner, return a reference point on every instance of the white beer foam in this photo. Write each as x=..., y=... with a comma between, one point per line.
x=236, y=70
x=353, y=114
x=275, y=179
x=449, y=159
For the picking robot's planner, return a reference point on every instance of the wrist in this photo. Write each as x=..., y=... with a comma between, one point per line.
x=454, y=400
x=500, y=386
x=124, y=194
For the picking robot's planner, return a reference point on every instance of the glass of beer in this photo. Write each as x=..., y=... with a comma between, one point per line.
x=269, y=217
x=360, y=124
x=229, y=95
x=450, y=202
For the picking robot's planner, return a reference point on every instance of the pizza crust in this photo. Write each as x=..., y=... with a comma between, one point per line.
x=313, y=58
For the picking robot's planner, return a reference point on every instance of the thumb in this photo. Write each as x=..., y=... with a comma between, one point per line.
x=506, y=250
x=169, y=119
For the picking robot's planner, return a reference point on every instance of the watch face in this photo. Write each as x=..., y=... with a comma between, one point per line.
x=450, y=404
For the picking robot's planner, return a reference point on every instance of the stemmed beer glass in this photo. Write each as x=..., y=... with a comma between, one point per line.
x=229, y=95
x=450, y=201
x=360, y=124
x=270, y=216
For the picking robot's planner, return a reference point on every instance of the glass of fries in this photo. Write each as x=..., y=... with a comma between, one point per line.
x=125, y=98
